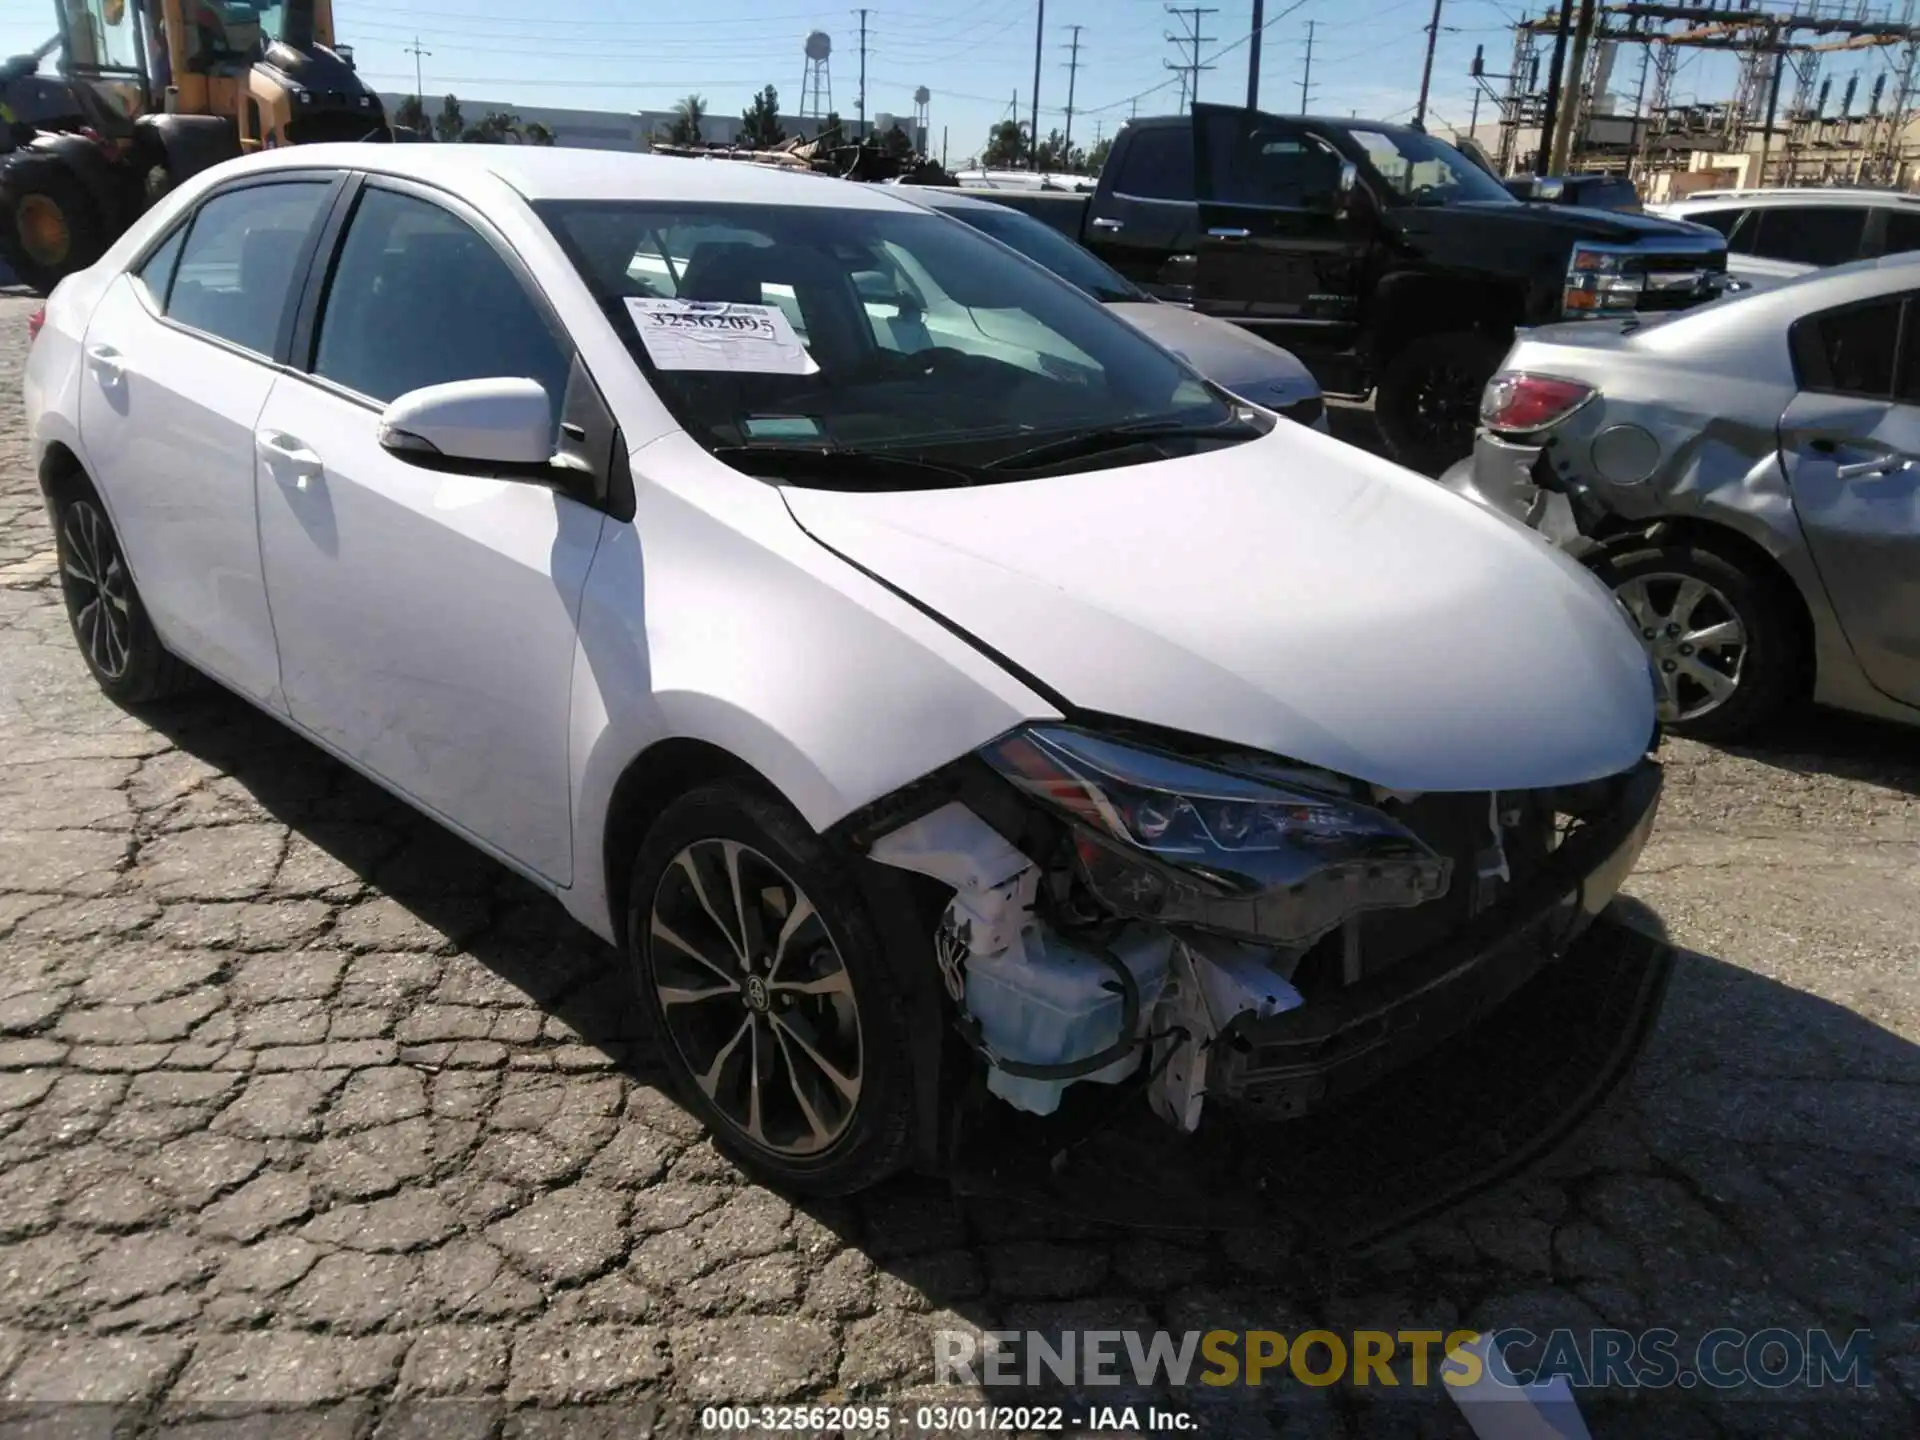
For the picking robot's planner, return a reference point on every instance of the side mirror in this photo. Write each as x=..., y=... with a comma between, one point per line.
x=878, y=289
x=482, y=422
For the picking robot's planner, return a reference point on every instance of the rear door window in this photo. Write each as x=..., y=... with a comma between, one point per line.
x=1850, y=351
x=238, y=269
x=1902, y=232
x=1157, y=165
x=1811, y=234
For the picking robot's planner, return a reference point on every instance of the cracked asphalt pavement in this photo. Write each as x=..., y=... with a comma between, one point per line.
x=304, y=1104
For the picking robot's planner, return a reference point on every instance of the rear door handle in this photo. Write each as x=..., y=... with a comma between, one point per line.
x=104, y=362
x=1229, y=233
x=289, y=459
x=1101, y=222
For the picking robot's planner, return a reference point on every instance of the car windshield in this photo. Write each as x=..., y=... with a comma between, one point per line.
x=1044, y=245
x=884, y=332
x=1423, y=171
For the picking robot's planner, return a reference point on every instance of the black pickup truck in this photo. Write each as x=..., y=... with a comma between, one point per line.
x=1386, y=259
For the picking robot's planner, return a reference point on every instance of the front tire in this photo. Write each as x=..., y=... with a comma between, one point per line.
x=1428, y=401
x=1722, y=640
x=110, y=624
x=52, y=225
x=773, y=1005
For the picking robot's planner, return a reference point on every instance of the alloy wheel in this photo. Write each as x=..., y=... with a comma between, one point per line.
x=98, y=589
x=1695, y=636
x=1446, y=402
x=756, y=998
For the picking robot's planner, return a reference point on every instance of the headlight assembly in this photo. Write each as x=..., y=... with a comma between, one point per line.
x=1162, y=837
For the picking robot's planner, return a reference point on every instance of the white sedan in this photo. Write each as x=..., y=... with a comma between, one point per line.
x=906, y=707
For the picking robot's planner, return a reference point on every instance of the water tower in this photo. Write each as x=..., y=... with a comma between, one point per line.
x=816, y=89
x=921, y=123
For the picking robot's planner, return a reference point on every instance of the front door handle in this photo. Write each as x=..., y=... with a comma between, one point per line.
x=104, y=362
x=1229, y=233
x=1101, y=222
x=290, y=460
x=1868, y=469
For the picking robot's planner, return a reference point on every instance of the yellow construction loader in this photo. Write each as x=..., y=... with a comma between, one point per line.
x=162, y=89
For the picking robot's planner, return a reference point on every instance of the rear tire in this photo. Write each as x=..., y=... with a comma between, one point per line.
x=771, y=1001
x=1717, y=626
x=1428, y=401
x=52, y=224
x=110, y=625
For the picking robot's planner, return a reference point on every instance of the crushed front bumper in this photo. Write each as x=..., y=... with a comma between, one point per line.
x=1287, y=1065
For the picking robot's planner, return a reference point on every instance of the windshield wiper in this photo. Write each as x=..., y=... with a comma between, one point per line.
x=1084, y=444
x=835, y=469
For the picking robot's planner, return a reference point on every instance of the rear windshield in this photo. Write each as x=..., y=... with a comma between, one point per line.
x=865, y=329
x=1044, y=245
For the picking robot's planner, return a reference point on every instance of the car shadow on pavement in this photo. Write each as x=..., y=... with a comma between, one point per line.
x=1756, y=1168
x=1812, y=741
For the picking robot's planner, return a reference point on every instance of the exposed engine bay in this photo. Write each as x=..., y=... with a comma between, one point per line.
x=1207, y=925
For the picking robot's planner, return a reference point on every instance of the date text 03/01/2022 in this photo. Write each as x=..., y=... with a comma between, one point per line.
x=855, y=1422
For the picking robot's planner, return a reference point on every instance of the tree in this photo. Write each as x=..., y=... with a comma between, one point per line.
x=496, y=127
x=448, y=125
x=411, y=114
x=1006, y=145
x=1097, y=156
x=688, y=112
x=1056, y=155
x=830, y=124
x=897, y=143
x=760, y=127
x=534, y=133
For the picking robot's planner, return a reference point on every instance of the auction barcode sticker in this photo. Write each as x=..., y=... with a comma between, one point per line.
x=717, y=335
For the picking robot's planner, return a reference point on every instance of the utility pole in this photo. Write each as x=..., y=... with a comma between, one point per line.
x=863, y=76
x=1571, y=89
x=419, y=91
x=1033, y=140
x=1426, y=70
x=1253, y=55
x=1306, y=75
x=1073, y=72
x=1190, y=69
x=1550, y=120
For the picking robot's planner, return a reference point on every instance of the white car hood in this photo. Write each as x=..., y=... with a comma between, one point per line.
x=1292, y=595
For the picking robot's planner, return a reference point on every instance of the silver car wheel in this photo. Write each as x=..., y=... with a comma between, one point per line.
x=1696, y=638
x=97, y=589
x=757, y=1001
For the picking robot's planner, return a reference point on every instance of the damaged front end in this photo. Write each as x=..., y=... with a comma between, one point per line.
x=1129, y=906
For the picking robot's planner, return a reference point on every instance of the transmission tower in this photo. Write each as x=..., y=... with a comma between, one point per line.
x=1190, y=39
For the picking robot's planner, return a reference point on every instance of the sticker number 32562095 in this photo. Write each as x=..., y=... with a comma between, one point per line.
x=717, y=335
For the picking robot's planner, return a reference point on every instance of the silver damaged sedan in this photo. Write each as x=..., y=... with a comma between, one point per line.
x=1743, y=476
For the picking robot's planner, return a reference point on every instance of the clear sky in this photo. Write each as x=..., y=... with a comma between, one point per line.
x=973, y=55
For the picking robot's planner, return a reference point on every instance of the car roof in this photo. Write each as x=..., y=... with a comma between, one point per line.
x=1798, y=195
x=942, y=197
x=540, y=172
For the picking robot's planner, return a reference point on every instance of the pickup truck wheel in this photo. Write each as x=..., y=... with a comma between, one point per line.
x=1724, y=646
x=763, y=980
x=1429, y=398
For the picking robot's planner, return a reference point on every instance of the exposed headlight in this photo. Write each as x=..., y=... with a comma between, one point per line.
x=1599, y=283
x=1162, y=837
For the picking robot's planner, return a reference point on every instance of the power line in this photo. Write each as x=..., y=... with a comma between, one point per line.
x=1033, y=138
x=1135, y=99
x=863, y=75
x=1306, y=75
x=414, y=50
x=1073, y=73
x=1192, y=40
